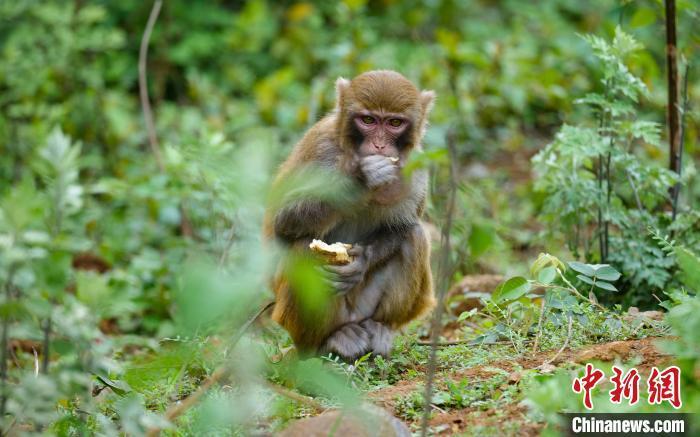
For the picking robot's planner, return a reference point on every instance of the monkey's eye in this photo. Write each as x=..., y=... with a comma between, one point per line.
x=367, y=119
x=395, y=122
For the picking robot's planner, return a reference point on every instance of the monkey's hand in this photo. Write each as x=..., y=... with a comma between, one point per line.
x=379, y=170
x=344, y=278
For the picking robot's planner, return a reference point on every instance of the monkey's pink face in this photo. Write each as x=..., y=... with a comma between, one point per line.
x=381, y=133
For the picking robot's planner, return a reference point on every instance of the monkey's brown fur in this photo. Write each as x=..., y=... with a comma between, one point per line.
x=395, y=285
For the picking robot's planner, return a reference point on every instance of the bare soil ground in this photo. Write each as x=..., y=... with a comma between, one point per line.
x=454, y=421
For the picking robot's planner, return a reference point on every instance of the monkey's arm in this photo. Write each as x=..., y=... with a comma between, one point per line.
x=312, y=198
x=384, y=243
x=304, y=219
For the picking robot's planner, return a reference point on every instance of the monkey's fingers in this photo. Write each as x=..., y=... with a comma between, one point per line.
x=356, y=251
x=381, y=176
x=375, y=165
x=339, y=283
x=355, y=268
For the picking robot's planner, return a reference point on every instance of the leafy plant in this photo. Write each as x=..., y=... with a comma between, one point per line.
x=601, y=189
x=597, y=275
x=549, y=301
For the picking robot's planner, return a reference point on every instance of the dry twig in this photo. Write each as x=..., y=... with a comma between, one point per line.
x=185, y=224
x=143, y=84
x=444, y=278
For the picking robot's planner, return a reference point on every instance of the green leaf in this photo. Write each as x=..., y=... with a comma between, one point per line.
x=121, y=388
x=481, y=239
x=586, y=279
x=605, y=286
x=690, y=267
x=512, y=289
x=585, y=269
x=643, y=17
x=606, y=272
x=544, y=260
x=466, y=314
x=547, y=275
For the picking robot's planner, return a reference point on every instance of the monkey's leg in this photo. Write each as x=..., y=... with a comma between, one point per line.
x=381, y=337
x=350, y=341
x=407, y=291
x=356, y=336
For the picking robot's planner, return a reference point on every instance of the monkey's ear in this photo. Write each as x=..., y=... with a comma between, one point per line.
x=427, y=99
x=341, y=87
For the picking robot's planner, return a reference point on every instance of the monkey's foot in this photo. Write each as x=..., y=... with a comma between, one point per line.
x=381, y=338
x=349, y=342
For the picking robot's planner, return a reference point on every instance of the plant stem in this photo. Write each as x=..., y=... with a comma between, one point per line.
x=635, y=191
x=143, y=84
x=599, y=179
x=607, y=202
x=672, y=76
x=684, y=111
x=444, y=278
x=185, y=223
x=4, y=341
x=46, y=348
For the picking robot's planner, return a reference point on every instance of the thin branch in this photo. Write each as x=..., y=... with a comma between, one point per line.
x=46, y=347
x=684, y=111
x=185, y=223
x=4, y=340
x=143, y=84
x=444, y=281
x=36, y=362
x=306, y=400
x=672, y=77
x=634, y=190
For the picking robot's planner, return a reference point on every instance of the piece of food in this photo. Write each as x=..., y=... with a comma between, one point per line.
x=394, y=159
x=336, y=253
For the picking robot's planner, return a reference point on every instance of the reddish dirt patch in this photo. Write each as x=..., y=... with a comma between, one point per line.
x=387, y=396
x=453, y=421
x=467, y=293
x=457, y=421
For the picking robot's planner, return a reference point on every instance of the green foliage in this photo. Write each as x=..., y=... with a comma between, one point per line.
x=547, y=398
x=602, y=189
x=549, y=309
x=596, y=275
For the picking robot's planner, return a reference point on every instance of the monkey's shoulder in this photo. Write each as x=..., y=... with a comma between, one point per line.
x=320, y=143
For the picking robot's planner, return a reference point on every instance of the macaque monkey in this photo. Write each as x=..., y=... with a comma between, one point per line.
x=379, y=119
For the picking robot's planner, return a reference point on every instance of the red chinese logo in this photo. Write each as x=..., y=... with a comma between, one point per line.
x=586, y=383
x=665, y=386
x=627, y=387
x=662, y=385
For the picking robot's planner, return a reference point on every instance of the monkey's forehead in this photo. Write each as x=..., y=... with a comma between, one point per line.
x=388, y=98
x=386, y=89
